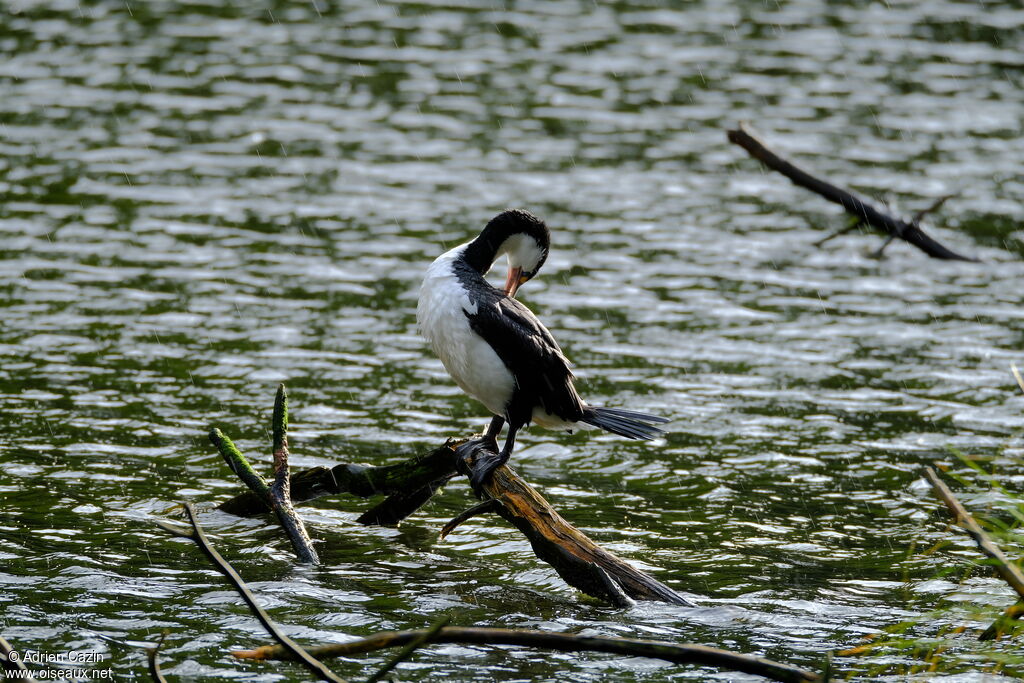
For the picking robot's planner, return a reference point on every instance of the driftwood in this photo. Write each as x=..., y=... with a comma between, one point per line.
x=280, y=491
x=288, y=649
x=152, y=656
x=565, y=642
x=408, y=485
x=862, y=211
x=276, y=497
x=578, y=560
x=295, y=651
x=1009, y=571
x=13, y=667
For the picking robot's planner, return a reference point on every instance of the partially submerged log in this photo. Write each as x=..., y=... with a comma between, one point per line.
x=409, y=641
x=580, y=562
x=564, y=642
x=408, y=485
x=861, y=210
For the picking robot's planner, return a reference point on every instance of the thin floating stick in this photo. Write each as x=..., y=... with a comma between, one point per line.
x=564, y=642
x=867, y=213
x=1009, y=571
x=1005, y=621
x=294, y=650
x=11, y=665
x=406, y=652
x=154, y=663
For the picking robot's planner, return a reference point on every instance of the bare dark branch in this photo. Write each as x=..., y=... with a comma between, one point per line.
x=853, y=225
x=933, y=207
x=154, y=663
x=909, y=231
x=294, y=649
x=881, y=250
x=407, y=482
x=489, y=505
x=565, y=642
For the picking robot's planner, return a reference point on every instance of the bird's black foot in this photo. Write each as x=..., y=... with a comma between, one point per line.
x=486, y=462
x=488, y=441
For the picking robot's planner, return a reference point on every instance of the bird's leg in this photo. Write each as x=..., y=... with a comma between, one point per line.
x=494, y=429
x=486, y=462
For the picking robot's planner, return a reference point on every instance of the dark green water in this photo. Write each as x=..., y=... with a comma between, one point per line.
x=200, y=201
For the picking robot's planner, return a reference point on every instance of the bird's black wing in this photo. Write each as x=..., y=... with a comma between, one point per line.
x=541, y=371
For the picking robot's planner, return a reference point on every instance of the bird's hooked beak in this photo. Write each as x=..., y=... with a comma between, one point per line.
x=514, y=280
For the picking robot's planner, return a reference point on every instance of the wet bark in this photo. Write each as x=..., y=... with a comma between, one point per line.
x=863, y=211
x=408, y=485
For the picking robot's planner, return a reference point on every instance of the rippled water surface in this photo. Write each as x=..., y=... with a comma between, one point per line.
x=200, y=201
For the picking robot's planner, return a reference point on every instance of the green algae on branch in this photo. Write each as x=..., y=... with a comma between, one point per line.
x=403, y=482
x=276, y=497
x=279, y=421
x=240, y=465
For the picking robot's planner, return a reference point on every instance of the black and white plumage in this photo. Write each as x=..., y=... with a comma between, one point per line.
x=497, y=350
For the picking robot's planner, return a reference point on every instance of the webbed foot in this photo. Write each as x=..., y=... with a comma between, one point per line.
x=486, y=462
x=488, y=441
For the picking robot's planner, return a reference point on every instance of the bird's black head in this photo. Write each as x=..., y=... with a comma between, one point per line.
x=521, y=236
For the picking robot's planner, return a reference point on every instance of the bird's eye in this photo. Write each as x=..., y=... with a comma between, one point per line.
x=524, y=277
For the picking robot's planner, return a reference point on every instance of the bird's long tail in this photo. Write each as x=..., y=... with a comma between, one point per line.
x=627, y=423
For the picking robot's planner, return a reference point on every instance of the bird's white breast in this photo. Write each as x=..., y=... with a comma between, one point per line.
x=472, y=363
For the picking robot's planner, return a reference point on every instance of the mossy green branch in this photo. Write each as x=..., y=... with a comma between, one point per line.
x=279, y=422
x=277, y=496
x=240, y=465
x=403, y=480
